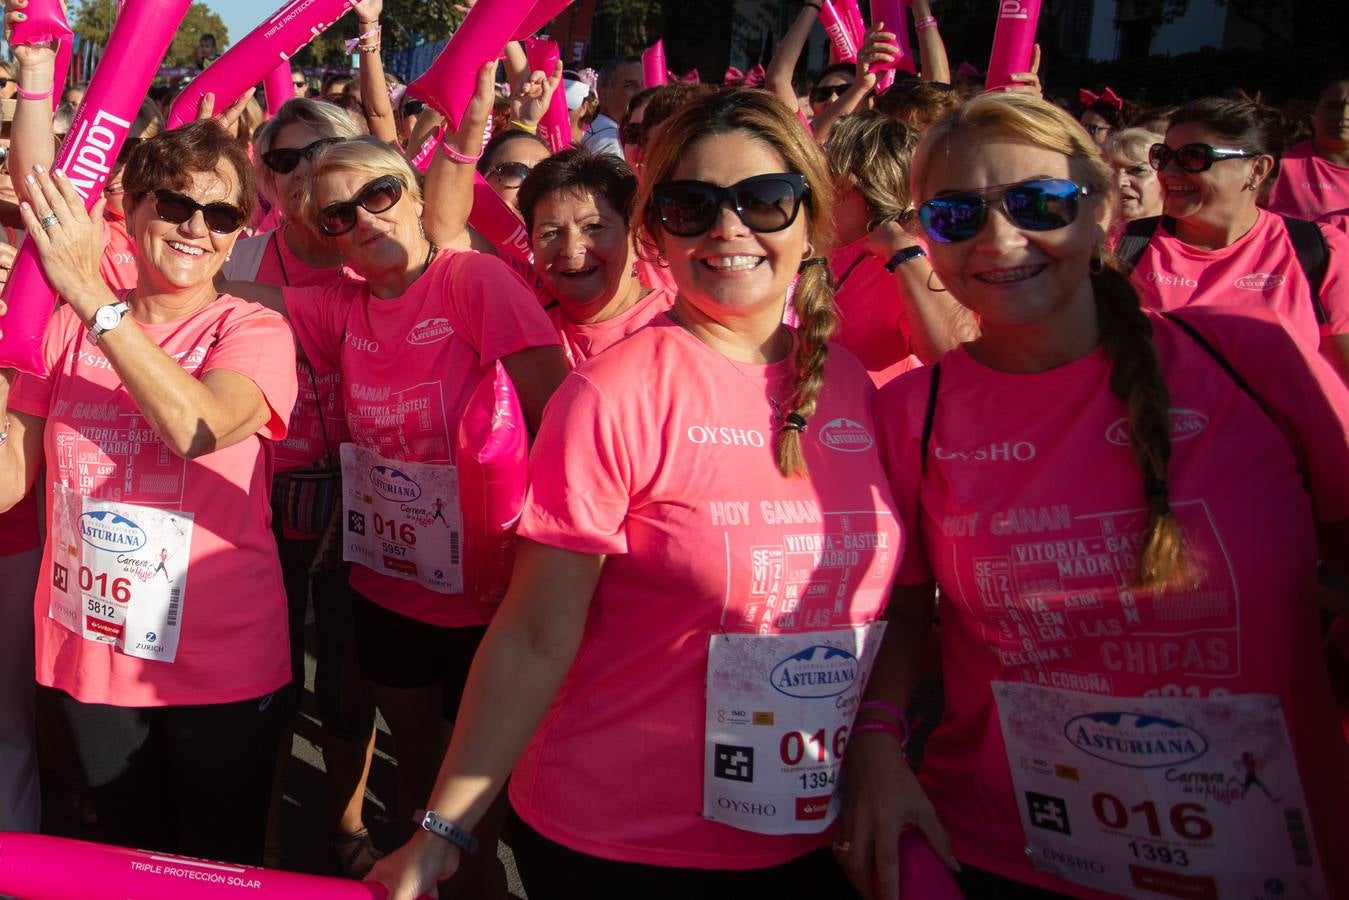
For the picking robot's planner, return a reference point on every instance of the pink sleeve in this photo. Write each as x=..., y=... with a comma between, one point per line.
x=318, y=316
x=259, y=346
x=579, y=474
x=32, y=394
x=1335, y=287
x=477, y=283
x=899, y=409
x=1299, y=390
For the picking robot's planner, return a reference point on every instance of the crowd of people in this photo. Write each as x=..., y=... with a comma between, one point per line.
x=832, y=388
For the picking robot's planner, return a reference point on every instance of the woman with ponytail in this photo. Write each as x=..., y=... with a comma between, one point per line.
x=706, y=546
x=1122, y=510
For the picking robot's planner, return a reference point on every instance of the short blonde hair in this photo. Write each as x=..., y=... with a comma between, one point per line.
x=363, y=155
x=323, y=119
x=1133, y=144
x=872, y=152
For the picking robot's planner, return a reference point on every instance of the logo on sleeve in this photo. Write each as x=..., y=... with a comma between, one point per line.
x=1259, y=281
x=846, y=435
x=1185, y=424
x=430, y=331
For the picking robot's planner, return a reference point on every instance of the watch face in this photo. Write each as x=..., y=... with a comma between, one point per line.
x=107, y=317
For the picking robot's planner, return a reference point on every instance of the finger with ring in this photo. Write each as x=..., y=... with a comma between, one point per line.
x=48, y=221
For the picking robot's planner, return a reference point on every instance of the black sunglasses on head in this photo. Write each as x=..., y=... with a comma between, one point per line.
x=1041, y=204
x=510, y=174
x=828, y=93
x=765, y=203
x=284, y=159
x=1193, y=157
x=220, y=217
x=376, y=197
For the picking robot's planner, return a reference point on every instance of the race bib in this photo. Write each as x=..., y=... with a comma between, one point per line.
x=779, y=708
x=119, y=573
x=1165, y=797
x=402, y=519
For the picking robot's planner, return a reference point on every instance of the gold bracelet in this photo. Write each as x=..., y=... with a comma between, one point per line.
x=516, y=123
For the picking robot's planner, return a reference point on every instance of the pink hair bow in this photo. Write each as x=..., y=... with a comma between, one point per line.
x=753, y=78
x=690, y=77
x=1107, y=96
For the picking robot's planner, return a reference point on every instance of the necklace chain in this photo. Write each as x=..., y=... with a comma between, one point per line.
x=773, y=402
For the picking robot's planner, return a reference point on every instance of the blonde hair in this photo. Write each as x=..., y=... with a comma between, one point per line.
x=871, y=151
x=363, y=155
x=324, y=119
x=1132, y=143
x=1126, y=332
x=764, y=118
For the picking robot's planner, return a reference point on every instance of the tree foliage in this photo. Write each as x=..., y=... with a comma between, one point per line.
x=634, y=23
x=93, y=21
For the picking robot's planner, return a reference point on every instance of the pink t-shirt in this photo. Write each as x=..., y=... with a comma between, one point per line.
x=580, y=342
x=872, y=322
x=304, y=445
x=409, y=365
x=658, y=453
x=1259, y=270
x=1309, y=185
x=1030, y=513
x=1337, y=220
x=118, y=263
x=233, y=620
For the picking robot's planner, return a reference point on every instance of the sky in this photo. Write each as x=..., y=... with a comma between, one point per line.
x=242, y=16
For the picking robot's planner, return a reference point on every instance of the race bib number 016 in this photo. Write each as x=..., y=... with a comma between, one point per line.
x=119, y=572
x=779, y=709
x=1165, y=797
x=402, y=519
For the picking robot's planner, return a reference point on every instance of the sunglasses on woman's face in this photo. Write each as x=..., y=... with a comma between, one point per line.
x=414, y=107
x=510, y=174
x=828, y=93
x=1041, y=204
x=376, y=197
x=1095, y=130
x=299, y=84
x=1193, y=157
x=765, y=203
x=283, y=160
x=222, y=218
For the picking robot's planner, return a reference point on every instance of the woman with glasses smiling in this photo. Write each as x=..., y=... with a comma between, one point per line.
x=155, y=424
x=704, y=552
x=507, y=160
x=1214, y=246
x=1122, y=511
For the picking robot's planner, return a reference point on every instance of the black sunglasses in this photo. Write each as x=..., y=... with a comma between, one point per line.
x=285, y=159
x=414, y=107
x=1193, y=157
x=1094, y=130
x=765, y=203
x=510, y=174
x=828, y=93
x=222, y=218
x=631, y=133
x=377, y=196
x=1041, y=204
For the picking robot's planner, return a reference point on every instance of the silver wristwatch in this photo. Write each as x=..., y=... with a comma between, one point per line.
x=106, y=318
x=451, y=832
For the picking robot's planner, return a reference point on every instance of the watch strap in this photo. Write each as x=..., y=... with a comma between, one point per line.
x=904, y=255
x=446, y=829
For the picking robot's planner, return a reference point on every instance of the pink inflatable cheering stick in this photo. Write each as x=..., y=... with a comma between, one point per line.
x=47, y=22
x=139, y=38
x=555, y=126
x=37, y=866
x=248, y=62
x=449, y=84
x=1013, y=41
x=498, y=222
x=540, y=15
x=839, y=31
x=279, y=87
x=852, y=16
x=921, y=871
x=492, y=456
x=654, y=72
x=895, y=16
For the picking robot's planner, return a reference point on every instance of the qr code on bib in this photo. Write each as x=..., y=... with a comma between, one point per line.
x=734, y=763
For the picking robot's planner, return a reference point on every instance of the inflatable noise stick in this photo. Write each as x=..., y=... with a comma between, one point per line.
x=138, y=41
x=47, y=22
x=654, y=73
x=839, y=30
x=279, y=87
x=555, y=126
x=540, y=15
x=248, y=62
x=450, y=82
x=1013, y=41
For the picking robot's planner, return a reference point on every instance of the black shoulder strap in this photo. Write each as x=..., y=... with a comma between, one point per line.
x=930, y=416
x=1135, y=240
x=1221, y=360
x=1312, y=254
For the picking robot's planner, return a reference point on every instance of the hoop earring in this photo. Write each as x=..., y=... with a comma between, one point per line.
x=935, y=290
x=1097, y=264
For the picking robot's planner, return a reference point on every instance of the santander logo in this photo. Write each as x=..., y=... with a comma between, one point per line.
x=1185, y=424
x=846, y=435
x=1259, y=281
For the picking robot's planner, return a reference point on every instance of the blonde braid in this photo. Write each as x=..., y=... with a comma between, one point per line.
x=814, y=303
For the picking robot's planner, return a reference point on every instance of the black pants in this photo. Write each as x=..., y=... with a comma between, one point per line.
x=551, y=871
x=194, y=780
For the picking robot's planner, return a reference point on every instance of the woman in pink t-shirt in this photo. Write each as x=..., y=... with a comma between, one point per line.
x=575, y=208
x=706, y=547
x=890, y=315
x=1215, y=247
x=155, y=423
x=1122, y=511
x=1314, y=175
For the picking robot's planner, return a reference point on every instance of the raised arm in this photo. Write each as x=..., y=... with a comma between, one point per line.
x=449, y=182
x=935, y=66
x=374, y=87
x=937, y=323
x=32, y=142
x=879, y=46
x=782, y=67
